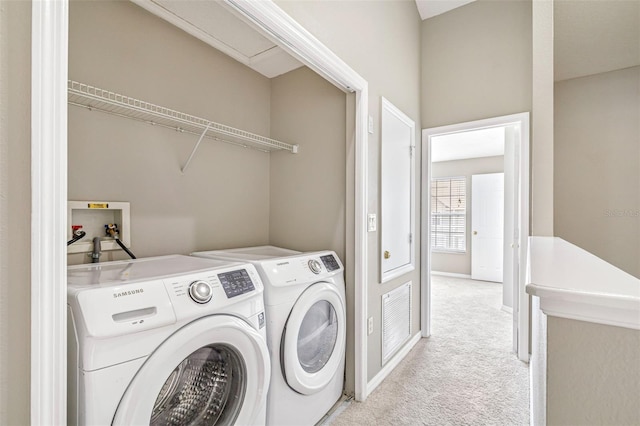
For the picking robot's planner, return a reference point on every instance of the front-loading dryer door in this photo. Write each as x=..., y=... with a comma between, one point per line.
x=213, y=371
x=313, y=342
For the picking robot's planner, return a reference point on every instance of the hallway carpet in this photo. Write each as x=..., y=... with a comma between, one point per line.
x=464, y=374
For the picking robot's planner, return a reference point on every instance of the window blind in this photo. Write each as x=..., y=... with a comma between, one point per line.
x=448, y=214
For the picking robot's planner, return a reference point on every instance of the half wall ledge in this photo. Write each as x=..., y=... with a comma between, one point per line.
x=575, y=284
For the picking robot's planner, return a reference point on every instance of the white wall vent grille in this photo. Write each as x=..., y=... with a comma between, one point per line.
x=396, y=319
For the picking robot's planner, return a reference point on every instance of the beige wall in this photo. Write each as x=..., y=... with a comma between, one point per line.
x=359, y=32
x=381, y=41
x=476, y=62
x=15, y=204
x=593, y=374
x=460, y=263
x=222, y=200
x=307, y=205
x=586, y=373
x=541, y=197
x=165, y=79
x=308, y=190
x=597, y=165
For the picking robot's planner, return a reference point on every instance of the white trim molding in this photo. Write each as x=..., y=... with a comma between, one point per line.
x=280, y=28
x=394, y=362
x=451, y=274
x=49, y=41
x=425, y=261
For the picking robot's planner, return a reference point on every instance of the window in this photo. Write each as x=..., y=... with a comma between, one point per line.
x=448, y=214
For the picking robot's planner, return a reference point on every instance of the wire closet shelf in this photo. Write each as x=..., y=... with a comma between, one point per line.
x=93, y=98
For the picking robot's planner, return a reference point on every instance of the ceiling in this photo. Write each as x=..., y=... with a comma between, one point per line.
x=213, y=23
x=469, y=144
x=431, y=8
x=590, y=37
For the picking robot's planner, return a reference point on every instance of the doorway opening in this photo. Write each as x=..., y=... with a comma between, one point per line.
x=498, y=146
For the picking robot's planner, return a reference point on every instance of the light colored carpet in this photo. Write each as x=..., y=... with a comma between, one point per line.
x=464, y=374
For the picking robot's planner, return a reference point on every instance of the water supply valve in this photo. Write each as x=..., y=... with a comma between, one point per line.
x=111, y=230
x=77, y=234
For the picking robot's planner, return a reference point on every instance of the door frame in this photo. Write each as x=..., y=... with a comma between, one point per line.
x=521, y=306
x=49, y=53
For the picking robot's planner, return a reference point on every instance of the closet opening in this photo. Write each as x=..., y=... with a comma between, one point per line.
x=160, y=222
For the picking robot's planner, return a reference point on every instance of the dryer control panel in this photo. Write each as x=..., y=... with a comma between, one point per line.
x=304, y=268
x=330, y=262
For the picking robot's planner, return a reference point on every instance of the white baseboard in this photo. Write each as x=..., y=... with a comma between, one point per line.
x=451, y=274
x=507, y=309
x=392, y=363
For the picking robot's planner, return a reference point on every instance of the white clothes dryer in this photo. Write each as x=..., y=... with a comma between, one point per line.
x=306, y=329
x=170, y=340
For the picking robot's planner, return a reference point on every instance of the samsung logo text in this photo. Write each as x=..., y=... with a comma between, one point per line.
x=128, y=293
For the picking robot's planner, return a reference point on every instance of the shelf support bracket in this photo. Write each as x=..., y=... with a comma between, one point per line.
x=195, y=148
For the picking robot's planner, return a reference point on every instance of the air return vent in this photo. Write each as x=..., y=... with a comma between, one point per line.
x=396, y=319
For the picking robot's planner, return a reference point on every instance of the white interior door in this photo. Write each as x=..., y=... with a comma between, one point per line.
x=487, y=226
x=397, y=199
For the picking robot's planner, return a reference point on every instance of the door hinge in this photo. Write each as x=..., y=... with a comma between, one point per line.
x=411, y=150
x=410, y=238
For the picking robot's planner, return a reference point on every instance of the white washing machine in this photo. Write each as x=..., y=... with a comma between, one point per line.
x=306, y=325
x=169, y=340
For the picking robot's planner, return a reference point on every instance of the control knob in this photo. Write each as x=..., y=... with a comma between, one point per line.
x=200, y=291
x=315, y=266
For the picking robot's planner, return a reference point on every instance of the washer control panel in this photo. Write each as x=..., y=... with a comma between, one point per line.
x=213, y=290
x=236, y=283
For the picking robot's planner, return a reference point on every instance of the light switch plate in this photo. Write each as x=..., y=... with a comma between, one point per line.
x=372, y=222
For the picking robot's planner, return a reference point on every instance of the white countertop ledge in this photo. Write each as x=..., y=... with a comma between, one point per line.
x=573, y=283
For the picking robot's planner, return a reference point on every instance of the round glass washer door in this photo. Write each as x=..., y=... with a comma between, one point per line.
x=213, y=371
x=314, y=339
x=206, y=388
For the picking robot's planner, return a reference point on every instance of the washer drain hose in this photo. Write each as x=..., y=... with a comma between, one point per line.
x=123, y=247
